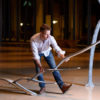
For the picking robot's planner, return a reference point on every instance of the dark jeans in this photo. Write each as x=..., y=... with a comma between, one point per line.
x=51, y=62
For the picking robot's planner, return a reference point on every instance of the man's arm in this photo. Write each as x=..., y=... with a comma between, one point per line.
x=36, y=56
x=59, y=51
x=38, y=63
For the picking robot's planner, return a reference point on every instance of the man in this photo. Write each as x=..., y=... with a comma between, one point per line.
x=41, y=46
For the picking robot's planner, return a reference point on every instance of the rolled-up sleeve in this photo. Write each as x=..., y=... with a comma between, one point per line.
x=34, y=50
x=55, y=46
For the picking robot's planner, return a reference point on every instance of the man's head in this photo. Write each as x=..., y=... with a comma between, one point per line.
x=45, y=31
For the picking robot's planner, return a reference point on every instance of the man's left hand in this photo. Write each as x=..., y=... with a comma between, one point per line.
x=63, y=56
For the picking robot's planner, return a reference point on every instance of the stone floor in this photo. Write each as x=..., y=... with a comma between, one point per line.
x=78, y=91
x=16, y=62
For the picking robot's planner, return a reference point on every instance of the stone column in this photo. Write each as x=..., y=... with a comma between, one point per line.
x=89, y=21
x=39, y=14
x=34, y=16
x=0, y=20
x=66, y=19
x=17, y=21
x=73, y=19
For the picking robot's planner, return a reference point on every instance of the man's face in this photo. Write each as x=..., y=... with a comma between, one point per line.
x=45, y=34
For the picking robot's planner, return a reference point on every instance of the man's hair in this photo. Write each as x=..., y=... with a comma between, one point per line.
x=45, y=27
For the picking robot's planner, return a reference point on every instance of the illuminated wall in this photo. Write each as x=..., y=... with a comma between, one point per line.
x=69, y=22
x=39, y=14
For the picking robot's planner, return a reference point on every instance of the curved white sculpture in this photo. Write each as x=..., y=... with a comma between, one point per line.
x=96, y=32
x=94, y=39
x=99, y=1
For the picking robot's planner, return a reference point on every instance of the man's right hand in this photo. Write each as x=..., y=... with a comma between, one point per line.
x=39, y=65
x=41, y=69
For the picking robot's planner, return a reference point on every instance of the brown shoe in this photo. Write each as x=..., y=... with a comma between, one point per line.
x=42, y=90
x=65, y=88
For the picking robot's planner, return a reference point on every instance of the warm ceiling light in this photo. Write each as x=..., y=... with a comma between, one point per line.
x=21, y=24
x=55, y=21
